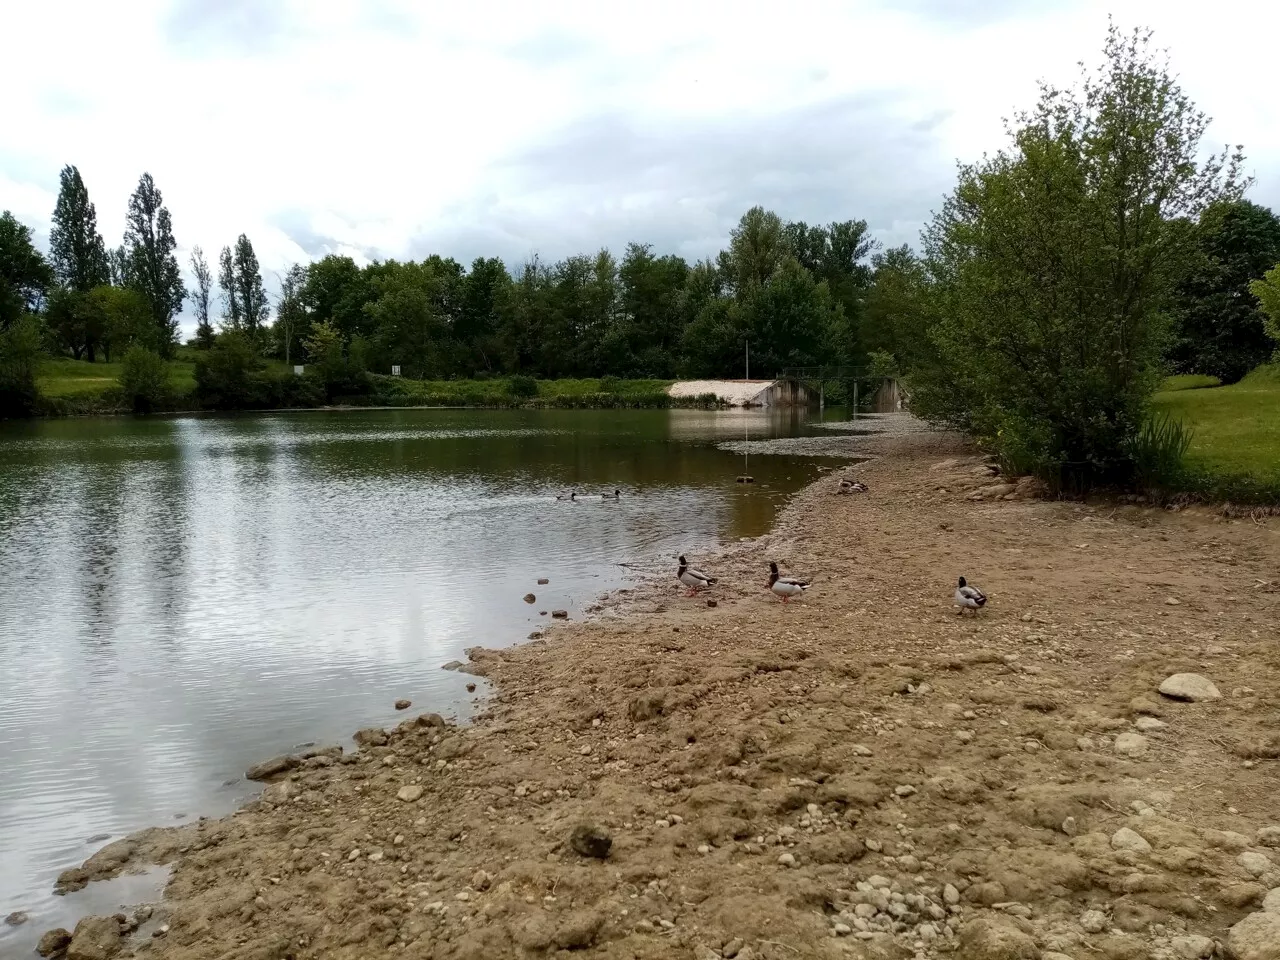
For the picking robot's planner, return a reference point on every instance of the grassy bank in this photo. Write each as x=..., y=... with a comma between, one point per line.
x=1235, y=450
x=76, y=387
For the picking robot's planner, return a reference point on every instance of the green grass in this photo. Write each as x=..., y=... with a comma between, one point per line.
x=1237, y=428
x=64, y=377
x=1189, y=381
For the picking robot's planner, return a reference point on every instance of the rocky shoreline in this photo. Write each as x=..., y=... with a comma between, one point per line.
x=861, y=774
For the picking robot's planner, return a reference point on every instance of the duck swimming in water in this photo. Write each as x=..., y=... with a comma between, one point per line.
x=571, y=495
x=616, y=495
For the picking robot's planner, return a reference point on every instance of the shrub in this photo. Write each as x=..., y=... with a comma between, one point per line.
x=20, y=352
x=522, y=386
x=1157, y=452
x=223, y=375
x=144, y=380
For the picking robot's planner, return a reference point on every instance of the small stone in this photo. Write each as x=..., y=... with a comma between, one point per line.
x=875, y=846
x=54, y=942
x=964, y=736
x=403, y=704
x=471, y=688
x=530, y=598
x=409, y=793
x=463, y=895
x=904, y=790
x=1268, y=837
x=842, y=929
x=1093, y=921
x=732, y=949
x=271, y=768
x=543, y=581
x=703, y=848
x=16, y=919
x=1069, y=827
x=1192, y=948
x=712, y=603
x=1255, y=864
x=560, y=614
x=588, y=840
x=375, y=856
x=950, y=895
x=1085, y=743
x=787, y=860
x=354, y=854
x=1256, y=937
x=1150, y=724
x=1189, y=686
x=1271, y=903
x=1172, y=601
x=996, y=938
x=1130, y=744
x=861, y=750
x=1126, y=839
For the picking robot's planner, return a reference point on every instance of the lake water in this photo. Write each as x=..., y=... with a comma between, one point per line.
x=180, y=598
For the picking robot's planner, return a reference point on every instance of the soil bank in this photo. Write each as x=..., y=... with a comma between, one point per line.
x=859, y=774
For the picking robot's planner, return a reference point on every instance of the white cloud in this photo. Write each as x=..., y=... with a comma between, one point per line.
x=394, y=128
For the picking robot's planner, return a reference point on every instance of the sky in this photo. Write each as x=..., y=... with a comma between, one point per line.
x=391, y=128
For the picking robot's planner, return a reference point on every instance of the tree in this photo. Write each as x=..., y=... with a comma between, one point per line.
x=25, y=275
x=1220, y=327
x=291, y=311
x=76, y=248
x=200, y=298
x=245, y=299
x=118, y=266
x=1054, y=262
x=145, y=379
x=152, y=267
x=895, y=315
x=20, y=353
x=756, y=249
x=483, y=301
x=1267, y=290
x=107, y=318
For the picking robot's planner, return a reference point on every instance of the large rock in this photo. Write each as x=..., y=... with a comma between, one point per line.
x=1131, y=744
x=370, y=737
x=1189, y=686
x=271, y=768
x=589, y=840
x=995, y=938
x=1271, y=904
x=95, y=938
x=54, y=943
x=1256, y=937
x=1256, y=864
x=1192, y=948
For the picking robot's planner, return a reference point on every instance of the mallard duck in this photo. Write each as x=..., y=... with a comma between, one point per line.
x=571, y=495
x=695, y=580
x=785, y=587
x=616, y=495
x=852, y=486
x=969, y=598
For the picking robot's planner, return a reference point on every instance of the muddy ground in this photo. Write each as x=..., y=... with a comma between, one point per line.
x=862, y=773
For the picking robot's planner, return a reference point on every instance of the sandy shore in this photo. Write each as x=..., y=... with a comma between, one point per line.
x=860, y=774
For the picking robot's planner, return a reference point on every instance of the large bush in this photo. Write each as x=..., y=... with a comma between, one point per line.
x=1053, y=264
x=145, y=380
x=21, y=346
x=224, y=375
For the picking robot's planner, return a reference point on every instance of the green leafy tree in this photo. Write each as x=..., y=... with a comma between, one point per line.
x=1267, y=290
x=25, y=276
x=895, y=315
x=200, y=297
x=116, y=318
x=20, y=355
x=483, y=301
x=245, y=298
x=410, y=328
x=145, y=379
x=152, y=267
x=232, y=314
x=757, y=246
x=1221, y=329
x=1054, y=263
x=337, y=290
x=226, y=374
x=118, y=266
x=77, y=252
x=292, y=319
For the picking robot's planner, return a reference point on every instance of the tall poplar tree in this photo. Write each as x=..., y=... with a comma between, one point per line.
x=152, y=266
x=79, y=256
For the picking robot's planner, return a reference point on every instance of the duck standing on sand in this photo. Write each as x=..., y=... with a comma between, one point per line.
x=695, y=580
x=616, y=495
x=785, y=587
x=969, y=598
x=571, y=495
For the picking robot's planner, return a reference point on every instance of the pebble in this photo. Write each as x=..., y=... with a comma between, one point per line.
x=1150, y=724
x=409, y=793
x=1192, y=948
x=463, y=895
x=964, y=736
x=731, y=949
x=1093, y=921
x=861, y=750
x=1126, y=839
x=842, y=929
x=354, y=854
x=16, y=919
x=904, y=790
x=1256, y=864
x=543, y=581
x=1130, y=744
x=950, y=895
x=787, y=860
x=703, y=848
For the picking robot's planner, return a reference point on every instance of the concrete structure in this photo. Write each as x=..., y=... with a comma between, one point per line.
x=746, y=393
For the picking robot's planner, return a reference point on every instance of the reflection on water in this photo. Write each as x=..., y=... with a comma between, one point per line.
x=182, y=597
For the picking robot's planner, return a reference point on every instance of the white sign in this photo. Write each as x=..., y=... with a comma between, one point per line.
x=395, y=370
x=297, y=369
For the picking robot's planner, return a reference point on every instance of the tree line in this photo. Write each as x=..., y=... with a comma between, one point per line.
x=1055, y=286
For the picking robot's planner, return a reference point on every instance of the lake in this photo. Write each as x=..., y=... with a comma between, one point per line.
x=181, y=597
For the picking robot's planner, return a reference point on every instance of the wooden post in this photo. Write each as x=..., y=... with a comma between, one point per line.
x=855, y=398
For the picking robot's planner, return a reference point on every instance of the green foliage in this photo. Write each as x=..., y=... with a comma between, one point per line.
x=152, y=267
x=1189, y=381
x=225, y=374
x=1267, y=290
x=1221, y=330
x=292, y=317
x=1053, y=263
x=200, y=298
x=245, y=305
x=144, y=380
x=882, y=363
x=1158, y=452
x=522, y=386
x=77, y=252
x=20, y=352
x=25, y=276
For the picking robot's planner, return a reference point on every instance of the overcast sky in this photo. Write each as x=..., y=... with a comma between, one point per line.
x=391, y=128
